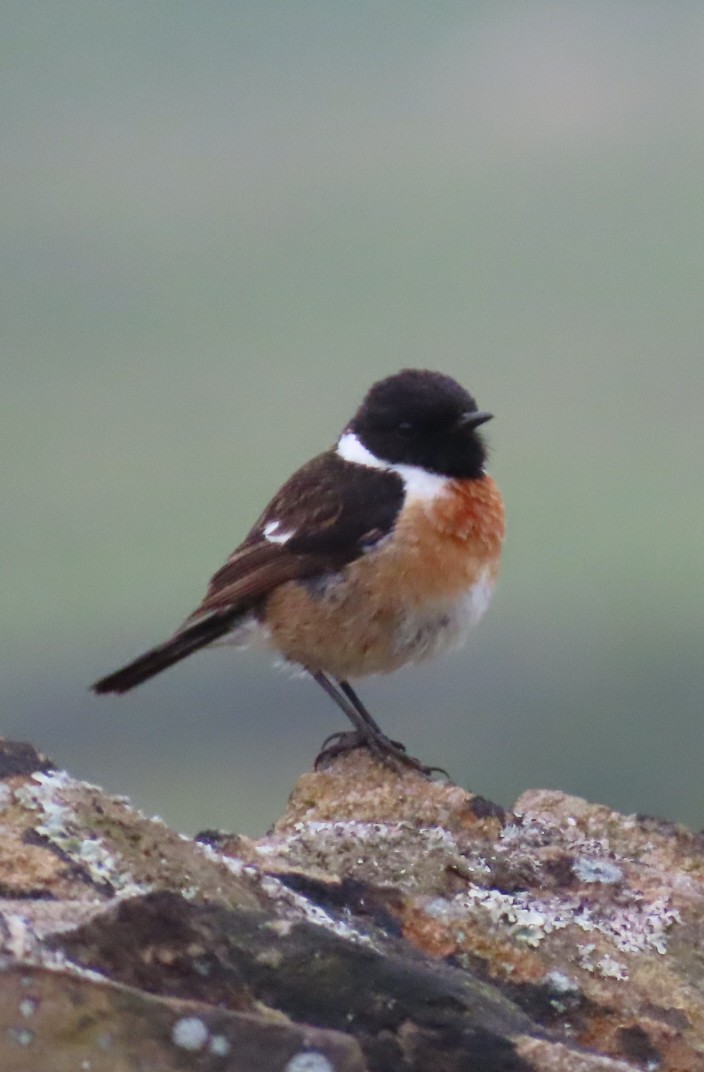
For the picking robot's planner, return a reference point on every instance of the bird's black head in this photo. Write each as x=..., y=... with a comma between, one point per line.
x=422, y=418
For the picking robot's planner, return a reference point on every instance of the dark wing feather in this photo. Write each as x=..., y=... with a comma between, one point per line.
x=185, y=642
x=247, y=578
x=334, y=511
x=331, y=506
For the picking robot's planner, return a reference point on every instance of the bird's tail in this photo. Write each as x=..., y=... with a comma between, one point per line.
x=152, y=662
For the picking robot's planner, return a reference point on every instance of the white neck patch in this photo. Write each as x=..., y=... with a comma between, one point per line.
x=419, y=484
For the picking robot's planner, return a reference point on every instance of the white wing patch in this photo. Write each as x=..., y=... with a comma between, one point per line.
x=272, y=534
x=419, y=484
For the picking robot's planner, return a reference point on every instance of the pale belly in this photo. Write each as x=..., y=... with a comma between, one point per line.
x=421, y=636
x=346, y=632
x=386, y=639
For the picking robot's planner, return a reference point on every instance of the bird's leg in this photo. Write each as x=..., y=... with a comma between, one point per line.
x=354, y=699
x=372, y=728
x=366, y=733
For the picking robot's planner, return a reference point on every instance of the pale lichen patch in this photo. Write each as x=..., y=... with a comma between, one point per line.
x=22, y=1035
x=309, y=1061
x=400, y=854
x=219, y=1046
x=597, y=870
x=28, y=1006
x=60, y=823
x=190, y=1033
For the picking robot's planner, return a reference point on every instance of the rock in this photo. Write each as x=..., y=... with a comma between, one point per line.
x=56, y=1021
x=386, y=923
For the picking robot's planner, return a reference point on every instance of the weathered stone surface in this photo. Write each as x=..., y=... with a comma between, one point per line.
x=248, y=960
x=589, y=920
x=56, y=1022
x=386, y=923
x=67, y=839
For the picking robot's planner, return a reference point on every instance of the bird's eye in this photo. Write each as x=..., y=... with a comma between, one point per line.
x=405, y=428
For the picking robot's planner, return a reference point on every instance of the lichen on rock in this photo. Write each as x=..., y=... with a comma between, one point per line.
x=386, y=922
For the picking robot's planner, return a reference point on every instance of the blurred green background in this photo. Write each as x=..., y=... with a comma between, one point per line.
x=221, y=222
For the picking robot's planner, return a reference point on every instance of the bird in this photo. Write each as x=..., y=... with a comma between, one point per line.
x=382, y=551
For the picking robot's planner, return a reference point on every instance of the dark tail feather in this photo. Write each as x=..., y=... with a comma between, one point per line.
x=172, y=651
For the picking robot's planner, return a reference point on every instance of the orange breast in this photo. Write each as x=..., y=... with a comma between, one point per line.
x=409, y=597
x=447, y=544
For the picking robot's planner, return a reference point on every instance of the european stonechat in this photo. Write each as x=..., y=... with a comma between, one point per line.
x=381, y=551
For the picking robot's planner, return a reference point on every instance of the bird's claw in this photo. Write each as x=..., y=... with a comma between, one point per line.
x=392, y=754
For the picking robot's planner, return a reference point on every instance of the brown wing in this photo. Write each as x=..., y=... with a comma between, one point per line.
x=325, y=516
x=250, y=573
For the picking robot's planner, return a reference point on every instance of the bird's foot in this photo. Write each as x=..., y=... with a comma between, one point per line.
x=346, y=740
x=392, y=754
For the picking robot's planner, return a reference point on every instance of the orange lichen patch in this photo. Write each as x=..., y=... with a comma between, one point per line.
x=428, y=934
x=25, y=868
x=480, y=819
x=438, y=937
x=677, y=1055
x=504, y=959
x=616, y=1035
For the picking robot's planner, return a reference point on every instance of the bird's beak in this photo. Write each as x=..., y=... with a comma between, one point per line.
x=474, y=419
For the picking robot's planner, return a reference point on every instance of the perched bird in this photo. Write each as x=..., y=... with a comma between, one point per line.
x=381, y=551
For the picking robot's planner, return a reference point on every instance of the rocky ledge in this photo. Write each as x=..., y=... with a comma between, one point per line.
x=387, y=923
